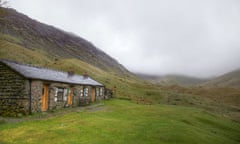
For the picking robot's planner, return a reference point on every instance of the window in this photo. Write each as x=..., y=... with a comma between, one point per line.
x=56, y=94
x=65, y=94
x=85, y=91
x=101, y=91
x=81, y=93
x=60, y=92
x=97, y=91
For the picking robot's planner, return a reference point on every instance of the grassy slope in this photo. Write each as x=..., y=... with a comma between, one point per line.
x=231, y=79
x=121, y=121
x=225, y=101
x=181, y=80
x=129, y=122
x=23, y=31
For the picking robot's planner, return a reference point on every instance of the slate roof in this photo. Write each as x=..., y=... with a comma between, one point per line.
x=32, y=72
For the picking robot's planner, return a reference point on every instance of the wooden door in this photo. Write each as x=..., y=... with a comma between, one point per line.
x=93, y=94
x=70, y=96
x=45, y=98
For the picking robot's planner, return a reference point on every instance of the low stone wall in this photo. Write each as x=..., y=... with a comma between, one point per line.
x=14, y=97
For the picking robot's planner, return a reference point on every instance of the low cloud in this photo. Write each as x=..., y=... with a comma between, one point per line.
x=197, y=38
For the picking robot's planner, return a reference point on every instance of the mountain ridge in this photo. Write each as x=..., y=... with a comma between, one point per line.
x=172, y=79
x=32, y=34
x=230, y=79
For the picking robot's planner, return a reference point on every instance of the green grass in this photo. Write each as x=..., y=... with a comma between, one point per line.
x=121, y=121
x=15, y=52
x=193, y=115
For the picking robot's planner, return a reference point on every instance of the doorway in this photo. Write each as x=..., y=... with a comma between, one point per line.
x=70, y=97
x=45, y=98
x=93, y=94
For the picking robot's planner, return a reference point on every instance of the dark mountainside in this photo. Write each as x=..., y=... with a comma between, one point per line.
x=32, y=35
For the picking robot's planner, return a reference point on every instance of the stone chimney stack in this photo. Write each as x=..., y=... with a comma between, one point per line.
x=70, y=72
x=85, y=75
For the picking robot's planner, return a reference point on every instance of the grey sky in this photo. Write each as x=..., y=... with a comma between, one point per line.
x=192, y=37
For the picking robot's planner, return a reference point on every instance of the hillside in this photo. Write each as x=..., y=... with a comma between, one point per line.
x=18, y=30
x=231, y=79
x=27, y=41
x=168, y=80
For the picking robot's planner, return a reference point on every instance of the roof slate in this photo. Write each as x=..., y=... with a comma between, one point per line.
x=32, y=72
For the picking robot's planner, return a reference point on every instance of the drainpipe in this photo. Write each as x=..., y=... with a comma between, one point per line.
x=30, y=96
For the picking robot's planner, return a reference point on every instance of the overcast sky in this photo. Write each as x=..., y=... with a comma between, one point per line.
x=192, y=37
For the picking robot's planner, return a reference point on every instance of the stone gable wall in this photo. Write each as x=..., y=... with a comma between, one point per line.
x=14, y=96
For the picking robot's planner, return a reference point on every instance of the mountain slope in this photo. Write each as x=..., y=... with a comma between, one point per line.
x=20, y=30
x=172, y=79
x=231, y=79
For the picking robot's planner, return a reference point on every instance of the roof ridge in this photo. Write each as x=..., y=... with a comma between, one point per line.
x=34, y=66
x=42, y=73
x=19, y=63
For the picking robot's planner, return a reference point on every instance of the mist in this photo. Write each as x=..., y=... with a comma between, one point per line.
x=189, y=37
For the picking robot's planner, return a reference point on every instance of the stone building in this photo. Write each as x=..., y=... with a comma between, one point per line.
x=26, y=89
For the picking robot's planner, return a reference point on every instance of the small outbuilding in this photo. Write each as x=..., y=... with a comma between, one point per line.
x=25, y=89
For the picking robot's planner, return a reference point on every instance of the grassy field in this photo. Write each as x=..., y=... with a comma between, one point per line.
x=120, y=122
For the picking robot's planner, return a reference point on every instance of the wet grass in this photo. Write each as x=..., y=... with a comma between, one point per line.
x=122, y=121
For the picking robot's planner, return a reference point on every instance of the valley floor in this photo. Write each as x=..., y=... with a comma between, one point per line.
x=121, y=121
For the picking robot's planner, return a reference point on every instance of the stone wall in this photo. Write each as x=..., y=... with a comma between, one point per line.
x=77, y=95
x=84, y=95
x=14, y=96
x=53, y=102
x=99, y=93
x=36, y=93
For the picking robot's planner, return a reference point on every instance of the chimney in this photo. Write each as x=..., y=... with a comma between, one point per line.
x=70, y=72
x=85, y=75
